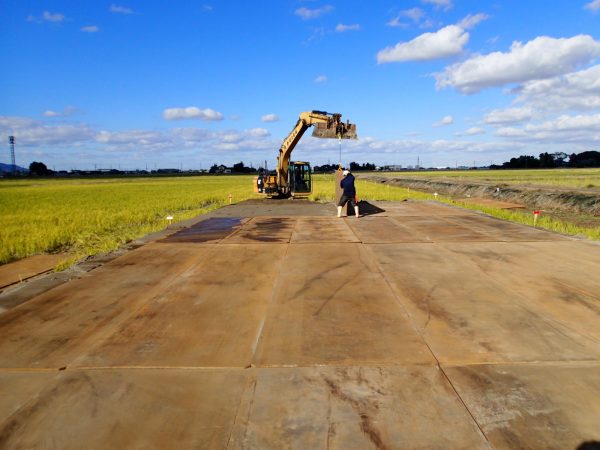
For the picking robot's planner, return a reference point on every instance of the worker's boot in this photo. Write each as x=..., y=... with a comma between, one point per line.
x=339, y=211
x=356, y=211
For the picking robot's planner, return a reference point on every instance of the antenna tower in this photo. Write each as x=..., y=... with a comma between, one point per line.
x=11, y=141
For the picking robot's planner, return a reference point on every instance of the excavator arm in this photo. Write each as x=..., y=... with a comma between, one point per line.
x=328, y=126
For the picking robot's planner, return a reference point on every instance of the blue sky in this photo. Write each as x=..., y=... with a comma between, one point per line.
x=136, y=84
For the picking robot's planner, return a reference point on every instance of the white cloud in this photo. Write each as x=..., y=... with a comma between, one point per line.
x=543, y=57
x=321, y=79
x=47, y=16
x=593, y=5
x=90, y=29
x=53, y=17
x=120, y=9
x=508, y=116
x=471, y=20
x=446, y=120
x=576, y=91
x=446, y=42
x=340, y=27
x=69, y=110
x=35, y=133
x=270, y=118
x=308, y=14
x=191, y=112
x=257, y=132
x=414, y=14
x=473, y=131
x=440, y=4
x=566, y=128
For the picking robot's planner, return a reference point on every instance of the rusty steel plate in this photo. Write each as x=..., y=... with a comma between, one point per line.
x=212, y=317
x=101, y=409
x=442, y=229
x=264, y=230
x=29, y=267
x=353, y=408
x=18, y=387
x=467, y=315
x=501, y=230
x=211, y=230
x=381, y=230
x=532, y=406
x=50, y=330
x=558, y=281
x=413, y=208
x=313, y=229
x=332, y=306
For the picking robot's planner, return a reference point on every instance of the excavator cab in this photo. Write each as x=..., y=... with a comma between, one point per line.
x=299, y=179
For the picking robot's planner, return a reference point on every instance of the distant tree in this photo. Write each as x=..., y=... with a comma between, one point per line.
x=213, y=168
x=547, y=160
x=559, y=158
x=39, y=168
x=585, y=159
x=522, y=162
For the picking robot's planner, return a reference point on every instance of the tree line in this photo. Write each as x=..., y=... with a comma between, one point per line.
x=552, y=160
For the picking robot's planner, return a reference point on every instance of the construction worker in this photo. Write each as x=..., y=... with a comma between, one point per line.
x=349, y=194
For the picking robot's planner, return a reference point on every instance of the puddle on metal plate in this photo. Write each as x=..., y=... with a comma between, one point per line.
x=213, y=229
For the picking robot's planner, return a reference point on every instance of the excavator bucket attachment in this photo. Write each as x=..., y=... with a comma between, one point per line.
x=335, y=129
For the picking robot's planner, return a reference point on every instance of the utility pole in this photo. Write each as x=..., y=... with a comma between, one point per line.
x=11, y=141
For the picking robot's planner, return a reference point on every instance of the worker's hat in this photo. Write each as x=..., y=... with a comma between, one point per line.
x=346, y=172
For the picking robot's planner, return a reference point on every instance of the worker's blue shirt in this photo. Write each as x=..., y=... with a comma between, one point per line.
x=347, y=184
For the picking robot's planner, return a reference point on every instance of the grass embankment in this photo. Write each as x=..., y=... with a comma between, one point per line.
x=324, y=190
x=89, y=216
x=568, y=178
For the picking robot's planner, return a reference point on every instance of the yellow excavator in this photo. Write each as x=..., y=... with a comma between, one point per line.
x=293, y=178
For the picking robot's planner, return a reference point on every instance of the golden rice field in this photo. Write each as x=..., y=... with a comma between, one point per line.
x=84, y=217
x=89, y=216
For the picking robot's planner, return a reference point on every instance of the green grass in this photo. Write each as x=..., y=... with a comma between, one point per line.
x=570, y=178
x=88, y=216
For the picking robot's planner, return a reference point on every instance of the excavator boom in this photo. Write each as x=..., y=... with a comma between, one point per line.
x=328, y=126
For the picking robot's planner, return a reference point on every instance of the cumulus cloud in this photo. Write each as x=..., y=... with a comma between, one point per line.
x=446, y=120
x=90, y=29
x=321, y=79
x=191, y=112
x=308, y=14
x=120, y=9
x=576, y=91
x=340, y=27
x=270, y=118
x=446, y=42
x=440, y=4
x=508, y=116
x=566, y=128
x=543, y=57
x=593, y=5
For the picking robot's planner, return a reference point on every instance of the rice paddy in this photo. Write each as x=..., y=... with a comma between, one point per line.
x=84, y=217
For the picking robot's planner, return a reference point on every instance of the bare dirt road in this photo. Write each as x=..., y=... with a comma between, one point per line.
x=274, y=325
